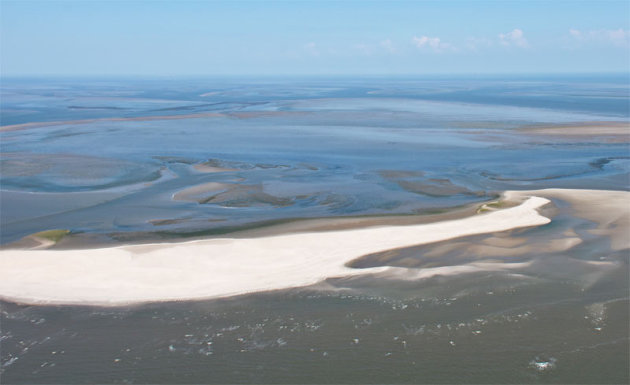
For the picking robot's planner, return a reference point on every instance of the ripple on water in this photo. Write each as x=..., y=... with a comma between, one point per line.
x=543, y=363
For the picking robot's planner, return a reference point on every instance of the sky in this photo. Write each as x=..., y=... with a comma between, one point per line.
x=190, y=38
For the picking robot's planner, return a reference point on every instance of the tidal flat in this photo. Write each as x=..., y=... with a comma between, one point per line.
x=516, y=188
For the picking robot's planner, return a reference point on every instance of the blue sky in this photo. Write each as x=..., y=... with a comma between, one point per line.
x=312, y=37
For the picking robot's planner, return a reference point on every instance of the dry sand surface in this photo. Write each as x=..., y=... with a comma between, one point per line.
x=224, y=267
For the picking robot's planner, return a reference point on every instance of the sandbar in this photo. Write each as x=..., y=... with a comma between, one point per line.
x=612, y=131
x=225, y=267
x=192, y=193
x=23, y=126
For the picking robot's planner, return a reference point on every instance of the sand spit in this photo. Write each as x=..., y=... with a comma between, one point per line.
x=224, y=267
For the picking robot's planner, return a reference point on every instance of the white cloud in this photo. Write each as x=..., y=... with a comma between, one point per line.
x=618, y=37
x=433, y=43
x=426, y=41
x=514, y=38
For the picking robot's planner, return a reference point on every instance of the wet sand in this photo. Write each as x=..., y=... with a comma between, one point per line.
x=193, y=193
x=203, y=167
x=239, y=115
x=23, y=126
x=609, y=131
x=610, y=210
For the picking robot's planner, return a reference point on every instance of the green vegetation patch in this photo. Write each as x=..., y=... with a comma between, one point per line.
x=496, y=205
x=52, y=235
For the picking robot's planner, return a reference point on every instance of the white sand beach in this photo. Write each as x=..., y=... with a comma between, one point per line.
x=225, y=267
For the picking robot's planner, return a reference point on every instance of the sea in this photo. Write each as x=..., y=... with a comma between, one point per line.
x=134, y=160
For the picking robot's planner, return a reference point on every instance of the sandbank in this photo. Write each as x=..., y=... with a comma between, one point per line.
x=224, y=267
x=614, y=131
x=239, y=115
x=192, y=194
x=205, y=168
x=23, y=126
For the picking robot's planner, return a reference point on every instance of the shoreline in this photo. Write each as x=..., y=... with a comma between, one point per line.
x=256, y=229
x=225, y=267
x=222, y=267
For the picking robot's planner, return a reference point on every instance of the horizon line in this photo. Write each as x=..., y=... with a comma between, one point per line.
x=318, y=75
